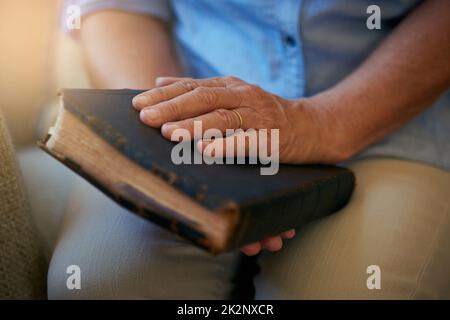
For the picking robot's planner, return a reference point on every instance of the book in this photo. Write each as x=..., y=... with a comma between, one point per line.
x=219, y=207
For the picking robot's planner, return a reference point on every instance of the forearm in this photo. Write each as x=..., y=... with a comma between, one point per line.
x=125, y=50
x=400, y=79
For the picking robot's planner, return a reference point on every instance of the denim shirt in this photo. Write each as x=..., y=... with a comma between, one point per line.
x=293, y=48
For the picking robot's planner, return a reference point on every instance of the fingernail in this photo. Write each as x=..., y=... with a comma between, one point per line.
x=149, y=115
x=159, y=80
x=167, y=129
x=170, y=126
x=140, y=101
x=290, y=234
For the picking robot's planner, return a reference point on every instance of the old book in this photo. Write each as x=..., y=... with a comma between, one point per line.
x=218, y=207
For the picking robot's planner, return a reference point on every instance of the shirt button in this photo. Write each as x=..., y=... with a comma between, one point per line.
x=290, y=40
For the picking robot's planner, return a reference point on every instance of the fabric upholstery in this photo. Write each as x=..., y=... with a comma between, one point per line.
x=22, y=263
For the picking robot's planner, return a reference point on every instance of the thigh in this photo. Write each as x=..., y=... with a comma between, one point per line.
x=123, y=256
x=398, y=219
x=47, y=189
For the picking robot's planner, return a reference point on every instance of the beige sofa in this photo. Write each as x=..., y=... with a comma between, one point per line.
x=22, y=259
x=29, y=220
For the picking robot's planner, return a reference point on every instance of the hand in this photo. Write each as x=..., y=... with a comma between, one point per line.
x=177, y=102
x=271, y=244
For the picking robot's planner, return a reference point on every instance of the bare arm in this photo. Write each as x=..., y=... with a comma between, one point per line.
x=125, y=50
x=402, y=77
x=399, y=80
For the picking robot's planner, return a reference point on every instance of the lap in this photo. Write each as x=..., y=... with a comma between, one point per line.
x=54, y=183
x=398, y=219
x=121, y=255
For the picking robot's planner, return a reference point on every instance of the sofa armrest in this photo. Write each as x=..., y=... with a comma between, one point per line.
x=22, y=262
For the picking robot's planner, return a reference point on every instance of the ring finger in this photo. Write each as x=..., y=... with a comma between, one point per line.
x=220, y=119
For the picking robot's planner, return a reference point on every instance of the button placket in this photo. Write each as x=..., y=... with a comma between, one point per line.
x=289, y=14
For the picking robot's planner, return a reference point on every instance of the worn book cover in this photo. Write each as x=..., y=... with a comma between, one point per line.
x=219, y=207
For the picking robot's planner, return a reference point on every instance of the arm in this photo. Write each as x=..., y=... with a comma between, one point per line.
x=400, y=79
x=125, y=50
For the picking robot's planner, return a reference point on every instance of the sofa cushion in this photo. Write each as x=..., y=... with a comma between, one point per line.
x=22, y=263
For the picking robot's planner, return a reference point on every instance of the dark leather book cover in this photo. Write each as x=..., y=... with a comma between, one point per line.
x=266, y=205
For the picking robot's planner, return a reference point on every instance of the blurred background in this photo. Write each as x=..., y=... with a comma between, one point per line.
x=36, y=60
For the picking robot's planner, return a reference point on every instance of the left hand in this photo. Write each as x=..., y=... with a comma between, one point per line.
x=176, y=102
x=271, y=244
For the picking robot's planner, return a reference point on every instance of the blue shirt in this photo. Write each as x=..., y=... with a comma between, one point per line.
x=293, y=48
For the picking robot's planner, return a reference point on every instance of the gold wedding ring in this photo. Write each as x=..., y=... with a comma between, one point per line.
x=239, y=116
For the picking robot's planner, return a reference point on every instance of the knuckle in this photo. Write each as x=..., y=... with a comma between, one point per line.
x=231, y=79
x=206, y=94
x=171, y=109
x=157, y=94
x=247, y=89
x=251, y=91
x=188, y=85
x=226, y=116
x=254, y=88
x=216, y=80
